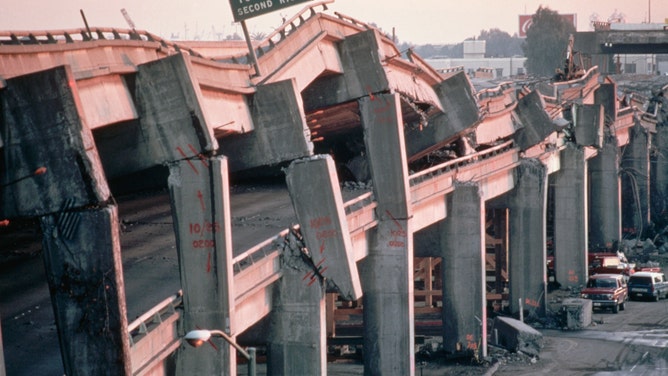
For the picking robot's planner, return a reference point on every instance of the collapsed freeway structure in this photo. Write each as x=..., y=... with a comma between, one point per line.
x=460, y=174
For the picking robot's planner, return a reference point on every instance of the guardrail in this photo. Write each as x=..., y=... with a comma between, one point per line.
x=67, y=36
x=154, y=336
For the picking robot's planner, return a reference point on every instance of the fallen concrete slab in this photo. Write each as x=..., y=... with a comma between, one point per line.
x=514, y=335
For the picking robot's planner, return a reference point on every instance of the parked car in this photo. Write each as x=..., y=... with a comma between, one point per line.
x=606, y=291
x=651, y=285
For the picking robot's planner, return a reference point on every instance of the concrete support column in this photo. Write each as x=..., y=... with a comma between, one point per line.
x=387, y=273
x=199, y=192
x=604, y=195
x=298, y=338
x=297, y=343
x=635, y=182
x=527, y=238
x=659, y=172
x=82, y=257
x=463, y=272
x=571, y=218
x=41, y=118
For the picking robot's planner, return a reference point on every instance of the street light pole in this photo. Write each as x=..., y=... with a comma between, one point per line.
x=197, y=337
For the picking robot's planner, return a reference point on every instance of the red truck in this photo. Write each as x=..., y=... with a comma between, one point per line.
x=609, y=263
x=606, y=291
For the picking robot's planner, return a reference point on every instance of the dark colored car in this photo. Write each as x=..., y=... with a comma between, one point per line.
x=648, y=285
x=606, y=291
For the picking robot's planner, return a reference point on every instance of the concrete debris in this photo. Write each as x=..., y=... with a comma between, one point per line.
x=576, y=313
x=517, y=336
x=357, y=185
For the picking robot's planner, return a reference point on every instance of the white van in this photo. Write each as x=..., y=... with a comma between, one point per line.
x=650, y=285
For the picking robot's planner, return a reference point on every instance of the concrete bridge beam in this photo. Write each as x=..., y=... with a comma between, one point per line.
x=363, y=73
x=280, y=131
x=460, y=113
x=537, y=125
x=387, y=272
x=171, y=125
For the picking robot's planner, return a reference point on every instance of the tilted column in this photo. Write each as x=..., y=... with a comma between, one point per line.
x=527, y=251
x=199, y=192
x=42, y=118
x=570, y=218
x=387, y=272
x=298, y=338
x=463, y=272
x=604, y=196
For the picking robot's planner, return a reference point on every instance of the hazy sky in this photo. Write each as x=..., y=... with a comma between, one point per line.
x=414, y=21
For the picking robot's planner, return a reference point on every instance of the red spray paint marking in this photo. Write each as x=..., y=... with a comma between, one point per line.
x=394, y=220
x=185, y=156
x=368, y=88
x=201, y=199
x=322, y=246
x=199, y=155
x=309, y=274
x=208, y=263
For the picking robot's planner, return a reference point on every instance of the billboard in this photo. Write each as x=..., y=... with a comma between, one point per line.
x=245, y=9
x=527, y=19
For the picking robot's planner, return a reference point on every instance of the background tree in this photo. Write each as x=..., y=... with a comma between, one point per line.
x=500, y=44
x=546, y=42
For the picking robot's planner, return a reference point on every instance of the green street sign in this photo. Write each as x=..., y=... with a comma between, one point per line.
x=244, y=9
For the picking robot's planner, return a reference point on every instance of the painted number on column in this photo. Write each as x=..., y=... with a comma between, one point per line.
x=572, y=277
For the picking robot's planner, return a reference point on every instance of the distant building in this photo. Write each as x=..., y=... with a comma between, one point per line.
x=474, y=49
x=496, y=67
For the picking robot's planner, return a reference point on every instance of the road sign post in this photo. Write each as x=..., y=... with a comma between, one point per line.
x=245, y=9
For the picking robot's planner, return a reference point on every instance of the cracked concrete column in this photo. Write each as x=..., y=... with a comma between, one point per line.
x=296, y=348
x=635, y=182
x=604, y=195
x=570, y=218
x=463, y=272
x=41, y=118
x=199, y=192
x=297, y=342
x=387, y=272
x=527, y=238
